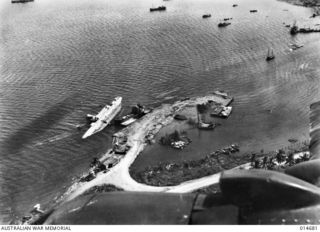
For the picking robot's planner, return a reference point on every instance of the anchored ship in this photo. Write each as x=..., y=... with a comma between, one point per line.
x=206, y=16
x=104, y=117
x=270, y=55
x=223, y=24
x=160, y=8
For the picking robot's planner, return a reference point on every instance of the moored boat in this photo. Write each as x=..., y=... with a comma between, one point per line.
x=226, y=111
x=221, y=111
x=129, y=121
x=206, y=16
x=137, y=112
x=206, y=126
x=295, y=46
x=104, y=117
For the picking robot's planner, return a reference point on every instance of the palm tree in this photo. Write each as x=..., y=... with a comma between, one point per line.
x=271, y=164
x=305, y=157
x=290, y=160
x=265, y=162
x=201, y=109
x=253, y=159
x=257, y=164
x=279, y=157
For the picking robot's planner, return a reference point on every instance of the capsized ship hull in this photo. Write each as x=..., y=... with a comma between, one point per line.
x=104, y=117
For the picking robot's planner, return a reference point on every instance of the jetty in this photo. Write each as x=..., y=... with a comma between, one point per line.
x=304, y=29
x=309, y=29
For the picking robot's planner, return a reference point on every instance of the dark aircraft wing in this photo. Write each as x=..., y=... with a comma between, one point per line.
x=269, y=197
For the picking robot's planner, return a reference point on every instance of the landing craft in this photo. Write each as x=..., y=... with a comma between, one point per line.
x=104, y=117
x=247, y=197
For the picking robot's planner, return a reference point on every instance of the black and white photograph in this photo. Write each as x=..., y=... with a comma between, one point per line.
x=159, y=112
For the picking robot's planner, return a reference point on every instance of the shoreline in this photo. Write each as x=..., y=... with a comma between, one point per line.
x=305, y=3
x=314, y=4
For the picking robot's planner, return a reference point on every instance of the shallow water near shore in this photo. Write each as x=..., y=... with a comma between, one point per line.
x=63, y=59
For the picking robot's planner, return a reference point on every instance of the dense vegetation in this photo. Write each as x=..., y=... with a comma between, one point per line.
x=102, y=188
x=310, y=3
x=307, y=3
x=169, y=174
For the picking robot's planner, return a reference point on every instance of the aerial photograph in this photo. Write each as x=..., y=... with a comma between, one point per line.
x=159, y=112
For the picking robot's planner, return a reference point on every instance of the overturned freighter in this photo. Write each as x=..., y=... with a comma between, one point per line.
x=104, y=117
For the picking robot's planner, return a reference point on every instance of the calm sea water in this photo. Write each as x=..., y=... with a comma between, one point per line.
x=63, y=59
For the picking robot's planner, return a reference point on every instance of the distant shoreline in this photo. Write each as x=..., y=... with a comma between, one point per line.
x=306, y=3
x=314, y=4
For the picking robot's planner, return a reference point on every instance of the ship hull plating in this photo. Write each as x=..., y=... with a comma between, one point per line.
x=105, y=116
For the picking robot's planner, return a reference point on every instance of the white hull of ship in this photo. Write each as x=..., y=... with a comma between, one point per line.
x=105, y=116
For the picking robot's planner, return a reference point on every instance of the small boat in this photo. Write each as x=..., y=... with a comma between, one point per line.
x=226, y=111
x=295, y=46
x=206, y=16
x=226, y=19
x=137, y=112
x=128, y=121
x=180, y=117
x=223, y=111
x=159, y=8
x=235, y=147
x=270, y=55
x=224, y=24
x=253, y=11
x=234, y=5
x=206, y=126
